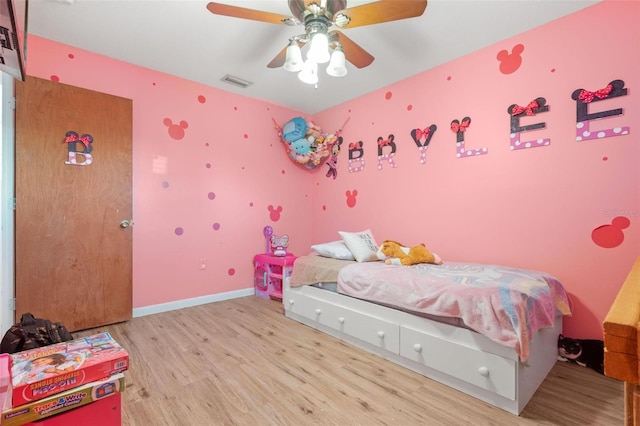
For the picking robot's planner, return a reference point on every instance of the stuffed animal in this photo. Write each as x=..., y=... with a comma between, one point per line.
x=394, y=253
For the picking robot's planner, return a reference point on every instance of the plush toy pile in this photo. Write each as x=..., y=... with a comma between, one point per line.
x=394, y=253
x=306, y=143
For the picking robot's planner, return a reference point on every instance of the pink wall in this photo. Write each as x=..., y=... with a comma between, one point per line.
x=202, y=188
x=534, y=208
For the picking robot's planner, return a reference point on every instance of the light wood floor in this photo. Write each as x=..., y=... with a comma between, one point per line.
x=241, y=362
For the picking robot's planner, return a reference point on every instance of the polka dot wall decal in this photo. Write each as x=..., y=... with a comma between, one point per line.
x=211, y=196
x=605, y=158
x=179, y=231
x=409, y=107
x=235, y=108
x=388, y=95
x=448, y=78
x=202, y=99
x=553, y=70
x=206, y=144
x=70, y=55
x=153, y=84
x=165, y=184
x=55, y=78
x=324, y=207
x=231, y=271
x=251, y=204
x=208, y=165
x=216, y=226
x=246, y=136
x=283, y=171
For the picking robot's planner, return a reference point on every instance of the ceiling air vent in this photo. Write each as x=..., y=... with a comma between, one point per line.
x=236, y=81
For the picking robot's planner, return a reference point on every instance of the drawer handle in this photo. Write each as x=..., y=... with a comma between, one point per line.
x=381, y=334
x=484, y=371
x=417, y=347
x=291, y=301
x=341, y=320
x=318, y=311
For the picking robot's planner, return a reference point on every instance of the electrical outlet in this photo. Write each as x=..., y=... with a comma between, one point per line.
x=203, y=264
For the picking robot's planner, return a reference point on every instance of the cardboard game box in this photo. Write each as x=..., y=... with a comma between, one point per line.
x=41, y=372
x=65, y=401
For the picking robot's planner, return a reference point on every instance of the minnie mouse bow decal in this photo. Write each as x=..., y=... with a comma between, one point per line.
x=79, y=145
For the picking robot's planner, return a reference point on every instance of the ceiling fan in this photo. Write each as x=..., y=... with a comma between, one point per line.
x=318, y=16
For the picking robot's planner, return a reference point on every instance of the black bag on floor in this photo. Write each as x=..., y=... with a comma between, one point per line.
x=31, y=333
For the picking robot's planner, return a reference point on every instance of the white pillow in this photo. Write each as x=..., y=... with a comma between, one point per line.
x=361, y=244
x=334, y=249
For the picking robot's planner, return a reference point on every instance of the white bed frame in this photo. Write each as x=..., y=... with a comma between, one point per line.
x=454, y=356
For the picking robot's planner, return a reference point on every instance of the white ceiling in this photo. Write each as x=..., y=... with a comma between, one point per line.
x=182, y=38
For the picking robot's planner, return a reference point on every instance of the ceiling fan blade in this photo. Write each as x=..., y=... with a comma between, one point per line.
x=352, y=51
x=244, y=13
x=381, y=11
x=279, y=59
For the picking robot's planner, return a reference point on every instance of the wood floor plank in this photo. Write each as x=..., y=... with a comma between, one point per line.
x=242, y=362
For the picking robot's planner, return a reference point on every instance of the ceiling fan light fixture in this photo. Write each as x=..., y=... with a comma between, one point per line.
x=294, y=60
x=309, y=73
x=319, y=51
x=338, y=66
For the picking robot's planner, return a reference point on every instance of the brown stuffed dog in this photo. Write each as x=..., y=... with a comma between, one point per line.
x=394, y=253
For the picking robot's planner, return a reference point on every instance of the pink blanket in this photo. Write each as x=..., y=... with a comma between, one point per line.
x=505, y=304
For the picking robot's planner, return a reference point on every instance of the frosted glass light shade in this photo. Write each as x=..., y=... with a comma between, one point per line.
x=294, y=57
x=309, y=73
x=337, y=67
x=319, y=51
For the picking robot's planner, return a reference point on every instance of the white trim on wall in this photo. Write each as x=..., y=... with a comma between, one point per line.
x=195, y=301
x=7, y=206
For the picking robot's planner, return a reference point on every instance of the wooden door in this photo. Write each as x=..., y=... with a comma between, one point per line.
x=73, y=254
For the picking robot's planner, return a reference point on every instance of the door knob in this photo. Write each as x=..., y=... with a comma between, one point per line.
x=125, y=224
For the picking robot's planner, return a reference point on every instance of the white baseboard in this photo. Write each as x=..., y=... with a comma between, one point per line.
x=186, y=303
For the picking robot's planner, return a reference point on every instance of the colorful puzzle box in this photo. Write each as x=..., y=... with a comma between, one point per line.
x=65, y=401
x=41, y=372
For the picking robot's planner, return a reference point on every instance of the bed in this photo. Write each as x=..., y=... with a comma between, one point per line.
x=489, y=352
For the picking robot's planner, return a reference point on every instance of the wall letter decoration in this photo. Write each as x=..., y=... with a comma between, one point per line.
x=583, y=98
x=86, y=140
x=516, y=112
x=389, y=157
x=356, y=155
x=459, y=128
x=418, y=135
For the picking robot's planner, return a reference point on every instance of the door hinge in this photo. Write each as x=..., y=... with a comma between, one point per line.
x=12, y=102
x=12, y=203
x=12, y=304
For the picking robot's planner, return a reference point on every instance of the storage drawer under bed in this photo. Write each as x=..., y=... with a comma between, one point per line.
x=488, y=371
x=375, y=331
